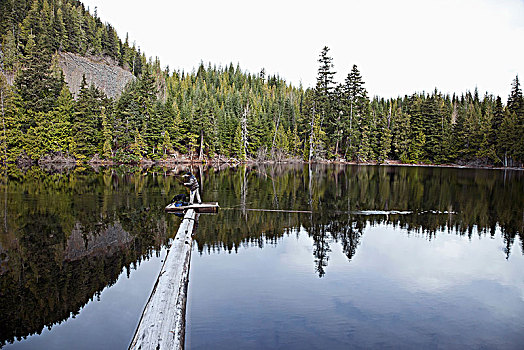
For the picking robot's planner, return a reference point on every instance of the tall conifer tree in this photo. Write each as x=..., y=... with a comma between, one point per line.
x=324, y=91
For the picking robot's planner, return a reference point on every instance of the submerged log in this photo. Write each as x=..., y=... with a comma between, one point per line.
x=162, y=325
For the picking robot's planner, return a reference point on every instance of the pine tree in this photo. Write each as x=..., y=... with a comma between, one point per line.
x=167, y=146
x=87, y=126
x=516, y=107
x=282, y=142
x=75, y=32
x=10, y=54
x=324, y=92
x=59, y=37
x=36, y=139
x=256, y=131
x=453, y=141
x=201, y=118
x=432, y=119
x=237, y=146
x=498, y=116
x=474, y=127
x=31, y=26
x=6, y=16
x=295, y=144
x=400, y=133
x=5, y=102
x=107, y=150
x=364, y=152
x=96, y=45
x=177, y=129
x=36, y=84
x=138, y=147
x=61, y=119
x=515, y=100
x=145, y=98
x=486, y=151
x=126, y=55
x=448, y=141
x=417, y=136
x=384, y=137
x=356, y=109
x=507, y=138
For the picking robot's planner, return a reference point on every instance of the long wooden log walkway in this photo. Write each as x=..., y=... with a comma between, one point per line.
x=162, y=325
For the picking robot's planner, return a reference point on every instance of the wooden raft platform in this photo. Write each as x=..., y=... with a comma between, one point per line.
x=211, y=207
x=162, y=325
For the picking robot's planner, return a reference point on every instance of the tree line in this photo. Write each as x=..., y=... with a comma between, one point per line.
x=424, y=127
x=225, y=111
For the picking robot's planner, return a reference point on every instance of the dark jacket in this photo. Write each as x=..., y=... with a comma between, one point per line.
x=192, y=184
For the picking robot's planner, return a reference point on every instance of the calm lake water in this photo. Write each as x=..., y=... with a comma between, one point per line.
x=377, y=257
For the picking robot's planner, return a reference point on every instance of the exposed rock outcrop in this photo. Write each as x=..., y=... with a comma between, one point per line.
x=101, y=71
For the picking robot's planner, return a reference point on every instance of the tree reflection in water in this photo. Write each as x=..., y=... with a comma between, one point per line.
x=68, y=235
x=430, y=201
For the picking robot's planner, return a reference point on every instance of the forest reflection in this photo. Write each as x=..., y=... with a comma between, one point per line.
x=66, y=234
x=344, y=200
x=69, y=233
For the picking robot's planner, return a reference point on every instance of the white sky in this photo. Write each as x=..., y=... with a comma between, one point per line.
x=400, y=46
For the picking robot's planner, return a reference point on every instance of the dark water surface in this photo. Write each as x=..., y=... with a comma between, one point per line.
x=414, y=258
x=386, y=257
x=79, y=254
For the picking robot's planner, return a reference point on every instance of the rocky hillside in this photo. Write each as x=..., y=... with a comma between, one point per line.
x=104, y=72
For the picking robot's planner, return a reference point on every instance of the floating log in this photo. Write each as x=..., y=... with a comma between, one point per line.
x=211, y=207
x=162, y=325
x=274, y=210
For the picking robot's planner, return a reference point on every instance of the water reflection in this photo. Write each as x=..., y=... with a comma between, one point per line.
x=399, y=291
x=405, y=255
x=68, y=235
x=343, y=200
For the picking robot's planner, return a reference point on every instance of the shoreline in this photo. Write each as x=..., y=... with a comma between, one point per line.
x=235, y=162
x=95, y=162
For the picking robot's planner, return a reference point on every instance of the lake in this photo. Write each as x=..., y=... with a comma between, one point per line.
x=351, y=257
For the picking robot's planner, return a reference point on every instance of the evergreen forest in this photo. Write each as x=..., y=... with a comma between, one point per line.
x=224, y=112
